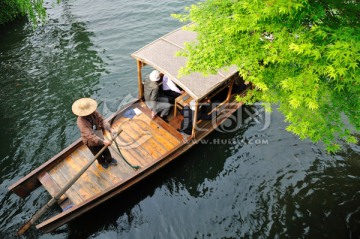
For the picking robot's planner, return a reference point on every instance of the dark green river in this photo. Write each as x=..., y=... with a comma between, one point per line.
x=244, y=183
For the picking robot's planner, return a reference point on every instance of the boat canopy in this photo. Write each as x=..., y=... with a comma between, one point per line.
x=161, y=55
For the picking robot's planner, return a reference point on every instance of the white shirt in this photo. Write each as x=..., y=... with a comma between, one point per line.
x=167, y=84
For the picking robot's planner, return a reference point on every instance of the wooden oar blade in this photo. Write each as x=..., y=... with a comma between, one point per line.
x=24, y=228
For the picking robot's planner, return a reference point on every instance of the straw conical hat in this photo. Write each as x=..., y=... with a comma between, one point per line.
x=84, y=106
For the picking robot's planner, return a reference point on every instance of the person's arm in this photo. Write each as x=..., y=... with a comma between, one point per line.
x=164, y=83
x=154, y=94
x=104, y=124
x=173, y=87
x=152, y=102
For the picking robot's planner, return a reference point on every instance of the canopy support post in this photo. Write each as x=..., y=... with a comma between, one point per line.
x=140, y=84
x=230, y=89
x=194, y=120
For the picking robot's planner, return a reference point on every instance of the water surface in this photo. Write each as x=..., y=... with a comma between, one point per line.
x=281, y=188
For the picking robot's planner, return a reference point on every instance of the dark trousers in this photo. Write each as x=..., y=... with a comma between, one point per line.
x=104, y=157
x=171, y=95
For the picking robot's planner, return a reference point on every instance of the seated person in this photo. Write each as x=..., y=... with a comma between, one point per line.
x=151, y=95
x=204, y=109
x=188, y=112
x=161, y=95
x=170, y=89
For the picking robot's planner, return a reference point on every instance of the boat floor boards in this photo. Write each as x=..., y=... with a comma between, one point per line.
x=142, y=142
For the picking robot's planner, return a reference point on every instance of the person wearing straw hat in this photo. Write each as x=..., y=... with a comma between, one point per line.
x=151, y=96
x=91, y=124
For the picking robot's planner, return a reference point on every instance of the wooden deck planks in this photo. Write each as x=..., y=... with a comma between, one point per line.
x=144, y=138
x=160, y=137
x=131, y=144
x=92, y=182
x=113, y=174
x=51, y=186
x=175, y=122
x=141, y=156
x=143, y=141
x=84, y=184
x=159, y=133
x=61, y=180
x=138, y=140
x=126, y=170
x=93, y=175
x=136, y=148
x=160, y=123
x=119, y=121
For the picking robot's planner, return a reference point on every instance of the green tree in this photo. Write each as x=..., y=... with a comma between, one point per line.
x=11, y=9
x=302, y=55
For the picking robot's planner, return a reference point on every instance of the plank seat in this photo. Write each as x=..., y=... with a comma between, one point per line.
x=52, y=187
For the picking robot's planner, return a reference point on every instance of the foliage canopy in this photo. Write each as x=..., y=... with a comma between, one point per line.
x=302, y=55
x=11, y=9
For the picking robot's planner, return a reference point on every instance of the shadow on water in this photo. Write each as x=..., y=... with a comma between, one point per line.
x=42, y=74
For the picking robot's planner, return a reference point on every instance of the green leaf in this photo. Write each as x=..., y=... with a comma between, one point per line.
x=309, y=58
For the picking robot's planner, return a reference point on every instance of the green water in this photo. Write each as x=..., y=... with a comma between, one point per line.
x=281, y=188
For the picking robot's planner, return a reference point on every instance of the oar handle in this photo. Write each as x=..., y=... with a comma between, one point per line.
x=53, y=200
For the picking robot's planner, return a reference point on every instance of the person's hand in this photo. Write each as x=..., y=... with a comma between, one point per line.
x=153, y=114
x=112, y=132
x=182, y=92
x=107, y=142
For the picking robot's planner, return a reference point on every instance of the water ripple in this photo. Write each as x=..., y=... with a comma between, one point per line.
x=285, y=188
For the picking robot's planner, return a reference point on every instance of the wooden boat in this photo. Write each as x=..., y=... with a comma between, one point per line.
x=144, y=142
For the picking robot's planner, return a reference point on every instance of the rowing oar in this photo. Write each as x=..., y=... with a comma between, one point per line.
x=57, y=196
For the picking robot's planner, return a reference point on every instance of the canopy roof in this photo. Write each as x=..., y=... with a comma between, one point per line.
x=160, y=54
